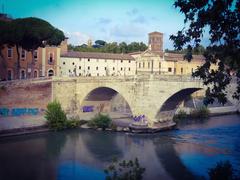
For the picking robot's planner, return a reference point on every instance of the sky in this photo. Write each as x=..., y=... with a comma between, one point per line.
x=109, y=20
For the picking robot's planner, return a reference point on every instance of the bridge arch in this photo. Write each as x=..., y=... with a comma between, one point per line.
x=170, y=104
x=105, y=99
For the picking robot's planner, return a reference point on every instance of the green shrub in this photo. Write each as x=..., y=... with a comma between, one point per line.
x=56, y=117
x=180, y=115
x=201, y=112
x=72, y=123
x=124, y=170
x=100, y=121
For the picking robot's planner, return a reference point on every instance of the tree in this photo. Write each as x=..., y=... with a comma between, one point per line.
x=100, y=43
x=222, y=171
x=124, y=170
x=221, y=18
x=36, y=33
x=3, y=40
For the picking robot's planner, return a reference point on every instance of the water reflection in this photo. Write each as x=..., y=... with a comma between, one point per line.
x=186, y=153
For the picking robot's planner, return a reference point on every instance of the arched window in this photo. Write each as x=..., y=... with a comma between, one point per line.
x=35, y=74
x=50, y=73
x=23, y=74
x=9, y=75
x=51, y=58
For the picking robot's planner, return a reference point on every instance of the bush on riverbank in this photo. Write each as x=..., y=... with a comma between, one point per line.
x=198, y=113
x=180, y=115
x=201, y=112
x=100, y=121
x=56, y=117
x=74, y=123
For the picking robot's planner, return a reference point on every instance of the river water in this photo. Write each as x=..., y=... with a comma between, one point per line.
x=185, y=153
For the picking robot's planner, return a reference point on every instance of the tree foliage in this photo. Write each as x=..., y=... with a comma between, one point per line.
x=124, y=170
x=114, y=47
x=221, y=20
x=222, y=171
x=30, y=34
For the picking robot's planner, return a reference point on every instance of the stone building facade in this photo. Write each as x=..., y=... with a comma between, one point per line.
x=43, y=63
x=97, y=64
x=58, y=61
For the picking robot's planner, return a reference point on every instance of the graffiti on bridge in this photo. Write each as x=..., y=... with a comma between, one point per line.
x=18, y=111
x=87, y=108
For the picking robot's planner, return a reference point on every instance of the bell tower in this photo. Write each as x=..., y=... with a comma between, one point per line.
x=155, y=41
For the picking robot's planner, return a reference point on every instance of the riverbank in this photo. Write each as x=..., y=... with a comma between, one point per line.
x=23, y=125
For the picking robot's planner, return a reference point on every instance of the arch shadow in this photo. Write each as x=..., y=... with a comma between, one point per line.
x=169, y=107
x=105, y=100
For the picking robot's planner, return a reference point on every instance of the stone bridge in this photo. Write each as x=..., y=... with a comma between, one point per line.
x=155, y=97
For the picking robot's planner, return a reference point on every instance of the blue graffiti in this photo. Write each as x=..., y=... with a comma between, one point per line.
x=18, y=111
x=87, y=108
x=139, y=118
x=4, y=112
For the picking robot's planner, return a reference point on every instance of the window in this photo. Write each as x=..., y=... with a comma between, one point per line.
x=51, y=58
x=79, y=67
x=105, y=68
x=79, y=74
x=50, y=73
x=181, y=70
x=97, y=74
x=113, y=68
x=169, y=69
x=35, y=55
x=23, y=54
x=9, y=52
x=129, y=69
x=143, y=64
x=129, y=61
x=35, y=74
x=63, y=63
x=88, y=67
x=148, y=64
x=73, y=63
x=121, y=68
x=139, y=65
x=88, y=60
x=23, y=74
x=96, y=68
x=121, y=61
x=69, y=70
x=159, y=65
x=9, y=75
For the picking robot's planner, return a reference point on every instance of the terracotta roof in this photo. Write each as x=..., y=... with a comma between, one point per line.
x=155, y=32
x=177, y=57
x=97, y=55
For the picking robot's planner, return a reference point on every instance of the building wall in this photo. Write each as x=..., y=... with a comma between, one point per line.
x=71, y=66
x=41, y=65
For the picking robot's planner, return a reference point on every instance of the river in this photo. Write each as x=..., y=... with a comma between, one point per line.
x=185, y=153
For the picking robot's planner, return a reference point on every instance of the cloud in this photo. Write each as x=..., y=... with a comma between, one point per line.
x=133, y=12
x=140, y=19
x=127, y=30
x=104, y=21
x=77, y=38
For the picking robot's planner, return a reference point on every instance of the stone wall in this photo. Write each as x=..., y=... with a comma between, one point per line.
x=25, y=94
